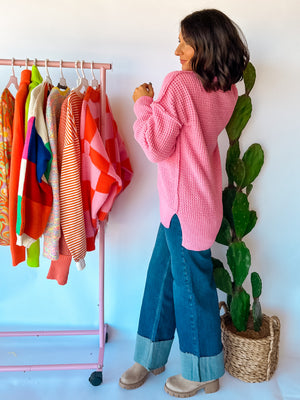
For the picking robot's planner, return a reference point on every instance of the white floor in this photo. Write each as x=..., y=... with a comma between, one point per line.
x=74, y=385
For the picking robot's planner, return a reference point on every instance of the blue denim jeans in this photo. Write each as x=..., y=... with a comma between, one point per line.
x=180, y=293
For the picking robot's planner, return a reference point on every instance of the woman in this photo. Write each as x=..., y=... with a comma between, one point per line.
x=179, y=132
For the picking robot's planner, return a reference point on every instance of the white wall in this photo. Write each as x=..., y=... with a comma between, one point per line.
x=139, y=39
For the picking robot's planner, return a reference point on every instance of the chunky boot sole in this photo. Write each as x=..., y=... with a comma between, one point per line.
x=139, y=383
x=210, y=387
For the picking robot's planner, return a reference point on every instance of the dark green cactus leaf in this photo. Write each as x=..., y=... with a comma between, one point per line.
x=257, y=315
x=248, y=189
x=217, y=263
x=237, y=172
x=223, y=280
x=256, y=283
x=224, y=235
x=239, y=261
x=228, y=197
x=249, y=76
x=239, y=309
x=233, y=154
x=253, y=161
x=252, y=222
x=241, y=214
x=229, y=300
x=239, y=118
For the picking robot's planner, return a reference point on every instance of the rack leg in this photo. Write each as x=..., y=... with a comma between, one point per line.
x=97, y=376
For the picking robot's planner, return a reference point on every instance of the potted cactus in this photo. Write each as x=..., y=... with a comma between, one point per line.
x=242, y=320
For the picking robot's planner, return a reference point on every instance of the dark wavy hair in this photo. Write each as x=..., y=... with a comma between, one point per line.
x=221, y=52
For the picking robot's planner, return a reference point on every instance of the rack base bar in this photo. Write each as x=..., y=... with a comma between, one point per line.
x=49, y=333
x=50, y=367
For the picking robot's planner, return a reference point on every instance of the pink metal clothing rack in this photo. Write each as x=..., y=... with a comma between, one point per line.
x=96, y=376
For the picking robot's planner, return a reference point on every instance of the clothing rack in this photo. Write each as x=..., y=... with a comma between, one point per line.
x=96, y=377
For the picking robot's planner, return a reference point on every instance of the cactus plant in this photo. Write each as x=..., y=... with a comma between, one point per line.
x=238, y=219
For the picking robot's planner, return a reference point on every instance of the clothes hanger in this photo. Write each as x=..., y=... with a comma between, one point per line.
x=47, y=79
x=94, y=83
x=82, y=82
x=84, y=79
x=78, y=76
x=35, y=63
x=13, y=79
x=62, y=84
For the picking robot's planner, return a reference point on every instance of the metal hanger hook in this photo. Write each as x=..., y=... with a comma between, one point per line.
x=76, y=67
x=92, y=70
x=60, y=66
x=82, y=71
x=46, y=66
x=12, y=66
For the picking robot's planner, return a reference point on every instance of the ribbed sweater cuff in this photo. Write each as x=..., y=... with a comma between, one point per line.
x=80, y=265
x=140, y=103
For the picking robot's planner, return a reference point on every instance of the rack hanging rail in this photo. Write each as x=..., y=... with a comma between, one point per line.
x=96, y=377
x=51, y=63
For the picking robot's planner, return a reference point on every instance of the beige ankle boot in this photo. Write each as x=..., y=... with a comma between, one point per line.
x=178, y=386
x=135, y=376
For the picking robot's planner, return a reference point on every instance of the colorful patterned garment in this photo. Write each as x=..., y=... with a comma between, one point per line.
x=59, y=269
x=71, y=209
x=33, y=252
x=17, y=252
x=52, y=232
x=34, y=192
x=100, y=182
x=7, y=104
x=115, y=148
x=72, y=243
x=97, y=171
x=106, y=169
x=70, y=111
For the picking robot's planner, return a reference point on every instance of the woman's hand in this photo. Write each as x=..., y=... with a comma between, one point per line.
x=145, y=89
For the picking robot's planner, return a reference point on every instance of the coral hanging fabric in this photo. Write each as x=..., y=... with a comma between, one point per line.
x=7, y=104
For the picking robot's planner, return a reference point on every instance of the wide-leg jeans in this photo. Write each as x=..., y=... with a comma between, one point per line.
x=180, y=293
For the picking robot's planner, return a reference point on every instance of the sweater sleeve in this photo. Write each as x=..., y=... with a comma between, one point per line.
x=34, y=192
x=71, y=208
x=158, y=125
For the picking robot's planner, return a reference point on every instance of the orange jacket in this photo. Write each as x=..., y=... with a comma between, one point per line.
x=17, y=252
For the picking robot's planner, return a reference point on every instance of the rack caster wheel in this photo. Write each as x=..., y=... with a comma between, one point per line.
x=106, y=337
x=96, y=378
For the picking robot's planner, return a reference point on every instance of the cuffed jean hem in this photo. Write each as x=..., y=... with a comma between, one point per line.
x=202, y=369
x=151, y=355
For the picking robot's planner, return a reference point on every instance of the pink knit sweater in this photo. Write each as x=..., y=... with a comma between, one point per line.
x=179, y=131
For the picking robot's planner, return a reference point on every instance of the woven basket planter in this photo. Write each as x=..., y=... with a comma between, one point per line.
x=250, y=356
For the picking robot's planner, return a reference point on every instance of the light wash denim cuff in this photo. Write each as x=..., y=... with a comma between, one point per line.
x=151, y=355
x=202, y=369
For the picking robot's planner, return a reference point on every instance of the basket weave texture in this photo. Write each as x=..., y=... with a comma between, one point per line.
x=251, y=356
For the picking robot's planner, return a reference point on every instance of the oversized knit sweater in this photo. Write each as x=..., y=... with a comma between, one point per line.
x=106, y=168
x=17, y=252
x=52, y=232
x=34, y=192
x=71, y=208
x=72, y=243
x=100, y=182
x=179, y=131
x=33, y=252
